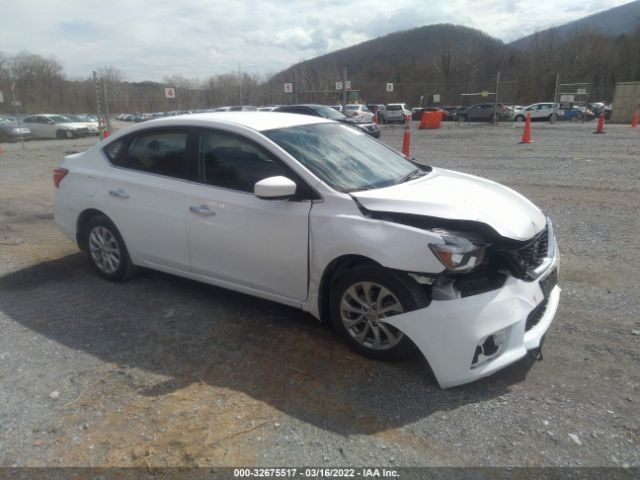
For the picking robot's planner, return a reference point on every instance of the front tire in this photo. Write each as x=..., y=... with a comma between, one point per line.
x=360, y=300
x=106, y=250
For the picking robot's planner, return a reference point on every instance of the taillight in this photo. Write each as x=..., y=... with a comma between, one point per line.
x=58, y=174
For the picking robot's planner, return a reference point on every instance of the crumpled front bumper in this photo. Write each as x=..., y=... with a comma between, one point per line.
x=449, y=332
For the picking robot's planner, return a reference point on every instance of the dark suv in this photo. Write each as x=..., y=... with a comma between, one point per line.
x=327, y=112
x=483, y=112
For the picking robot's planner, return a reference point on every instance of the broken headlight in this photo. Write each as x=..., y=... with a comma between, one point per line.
x=457, y=253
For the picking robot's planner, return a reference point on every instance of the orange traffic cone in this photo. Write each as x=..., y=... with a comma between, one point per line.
x=105, y=133
x=375, y=118
x=526, y=135
x=600, y=128
x=634, y=120
x=1, y=150
x=406, y=137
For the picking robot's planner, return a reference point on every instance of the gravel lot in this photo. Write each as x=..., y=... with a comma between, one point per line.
x=163, y=371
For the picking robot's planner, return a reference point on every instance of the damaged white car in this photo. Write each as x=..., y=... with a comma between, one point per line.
x=317, y=215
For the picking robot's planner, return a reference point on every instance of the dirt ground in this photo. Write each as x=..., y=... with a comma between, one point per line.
x=162, y=371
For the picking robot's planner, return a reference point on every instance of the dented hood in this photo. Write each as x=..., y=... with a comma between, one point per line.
x=458, y=196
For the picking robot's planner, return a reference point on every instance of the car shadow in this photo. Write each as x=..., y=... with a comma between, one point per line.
x=192, y=332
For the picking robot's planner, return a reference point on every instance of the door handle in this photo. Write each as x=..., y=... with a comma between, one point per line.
x=202, y=210
x=119, y=193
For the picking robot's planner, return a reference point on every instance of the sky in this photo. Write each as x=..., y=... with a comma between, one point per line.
x=199, y=38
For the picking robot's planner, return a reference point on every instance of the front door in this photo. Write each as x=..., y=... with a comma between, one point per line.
x=237, y=237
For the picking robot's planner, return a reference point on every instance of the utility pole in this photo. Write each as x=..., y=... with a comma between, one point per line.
x=15, y=107
x=555, y=99
x=295, y=87
x=106, y=104
x=98, y=109
x=344, y=91
x=495, y=103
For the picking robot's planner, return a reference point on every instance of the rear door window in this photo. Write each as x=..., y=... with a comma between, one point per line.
x=161, y=153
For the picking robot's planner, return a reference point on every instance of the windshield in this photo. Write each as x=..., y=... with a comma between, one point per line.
x=6, y=121
x=343, y=157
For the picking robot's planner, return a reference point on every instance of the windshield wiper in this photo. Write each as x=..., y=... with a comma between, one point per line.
x=417, y=173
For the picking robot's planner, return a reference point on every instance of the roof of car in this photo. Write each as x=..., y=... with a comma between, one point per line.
x=259, y=121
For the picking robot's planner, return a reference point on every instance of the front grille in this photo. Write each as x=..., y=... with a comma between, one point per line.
x=526, y=258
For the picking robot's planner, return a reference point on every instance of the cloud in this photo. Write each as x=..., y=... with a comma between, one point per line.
x=197, y=38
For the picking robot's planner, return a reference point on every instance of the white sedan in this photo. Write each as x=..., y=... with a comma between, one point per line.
x=48, y=125
x=359, y=113
x=538, y=111
x=317, y=215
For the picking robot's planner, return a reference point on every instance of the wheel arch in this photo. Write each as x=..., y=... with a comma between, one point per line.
x=332, y=271
x=83, y=220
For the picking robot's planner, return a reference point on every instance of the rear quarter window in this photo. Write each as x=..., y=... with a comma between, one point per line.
x=114, y=150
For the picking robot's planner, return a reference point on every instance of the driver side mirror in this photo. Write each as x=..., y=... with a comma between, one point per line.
x=274, y=188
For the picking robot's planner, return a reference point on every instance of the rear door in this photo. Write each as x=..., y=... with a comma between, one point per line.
x=237, y=237
x=148, y=195
x=37, y=125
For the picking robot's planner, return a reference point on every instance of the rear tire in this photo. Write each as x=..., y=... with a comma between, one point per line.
x=106, y=250
x=362, y=297
x=519, y=118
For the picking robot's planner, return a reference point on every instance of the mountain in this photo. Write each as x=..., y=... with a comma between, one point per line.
x=624, y=19
x=399, y=53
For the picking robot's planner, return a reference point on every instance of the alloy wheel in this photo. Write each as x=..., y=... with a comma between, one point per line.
x=104, y=249
x=363, y=308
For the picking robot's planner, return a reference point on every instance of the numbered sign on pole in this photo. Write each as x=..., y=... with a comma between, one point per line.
x=338, y=85
x=288, y=88
x=389, y=87
x=348, y=84
x=170, y=92
x=436, y=98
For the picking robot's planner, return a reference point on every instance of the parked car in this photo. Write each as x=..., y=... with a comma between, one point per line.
x=236, y=108
x=576, y=113
x=310, y=213
x=48, y=125
x=416, y=113
x=483, y=112
x=397, y=112
x=538, y=111
x=452, y=111
x=90, y=121
x=359, y=113
x=600, y=107
x=270, y=108
x=10, y=131
x=327, y=112
x=377, y=109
